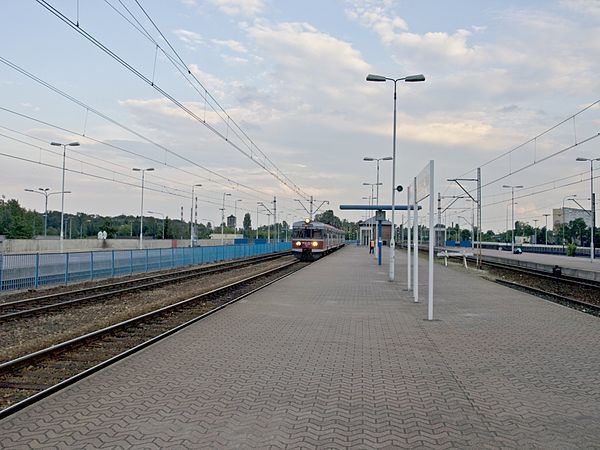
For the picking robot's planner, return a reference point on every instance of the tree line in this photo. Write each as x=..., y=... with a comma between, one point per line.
x=17, y=222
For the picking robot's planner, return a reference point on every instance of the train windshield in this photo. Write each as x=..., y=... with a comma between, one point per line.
x=307, y=233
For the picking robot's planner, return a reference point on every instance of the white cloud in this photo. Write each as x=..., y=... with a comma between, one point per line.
x=311, y=67
x=237, y=7
x=191, y=39
x=234, y=59
x=214, y=84
x=584, y=7
x=231, y=45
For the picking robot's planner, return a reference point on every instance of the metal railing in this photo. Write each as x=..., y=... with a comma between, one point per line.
x=25, y=271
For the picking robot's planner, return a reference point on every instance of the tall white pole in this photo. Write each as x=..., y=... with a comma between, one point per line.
x=415, y=244
x=62, y=201
x=142, y=215
x=393, y=238
x=593, y=210
x=408, y=241
x=431, y=243
x=192, y=219
x=512, y=244
x=46, y=214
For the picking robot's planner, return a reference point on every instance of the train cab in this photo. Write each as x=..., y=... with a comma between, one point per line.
x=311, y=240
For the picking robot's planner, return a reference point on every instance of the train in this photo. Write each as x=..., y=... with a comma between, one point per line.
x=311, y=240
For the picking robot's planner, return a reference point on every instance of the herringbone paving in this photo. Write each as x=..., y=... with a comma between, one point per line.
x=336, y=357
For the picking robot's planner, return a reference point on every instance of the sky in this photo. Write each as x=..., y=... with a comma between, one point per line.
x=261, y=99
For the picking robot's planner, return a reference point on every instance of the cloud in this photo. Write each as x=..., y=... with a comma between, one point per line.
x=583, y=7
x=295, y=51
x=231, y=45
x=191, y=39
x=234, y=59
x=240, y=7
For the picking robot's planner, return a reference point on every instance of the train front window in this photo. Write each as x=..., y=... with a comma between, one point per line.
x=302, y=233
x=307, y=233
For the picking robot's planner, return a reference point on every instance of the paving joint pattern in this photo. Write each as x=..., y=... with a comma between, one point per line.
x=335, y=356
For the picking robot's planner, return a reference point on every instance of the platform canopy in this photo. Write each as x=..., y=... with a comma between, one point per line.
x=378, y=207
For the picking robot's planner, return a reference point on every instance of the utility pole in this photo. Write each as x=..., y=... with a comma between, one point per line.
x=275, y=218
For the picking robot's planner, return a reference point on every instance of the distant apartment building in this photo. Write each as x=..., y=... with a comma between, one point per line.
x=570, y=214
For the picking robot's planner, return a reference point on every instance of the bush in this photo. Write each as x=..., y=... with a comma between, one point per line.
x=571, y=248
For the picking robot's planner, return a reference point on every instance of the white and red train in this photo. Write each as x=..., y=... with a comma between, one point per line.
x=311, y=240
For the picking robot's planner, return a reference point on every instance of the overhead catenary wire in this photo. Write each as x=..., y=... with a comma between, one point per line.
x=229, y=119
x=104, y=178
x=186, y=109
x=120, y=148
x=120, y=125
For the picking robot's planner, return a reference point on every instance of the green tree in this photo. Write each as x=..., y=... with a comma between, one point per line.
x=247, y=224
x=329, y=218
x=465, y=235
x=15, y=222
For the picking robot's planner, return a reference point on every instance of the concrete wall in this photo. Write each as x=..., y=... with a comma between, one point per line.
x=15, y=246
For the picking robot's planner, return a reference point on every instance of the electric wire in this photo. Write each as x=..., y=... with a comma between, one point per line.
x=141, y=76
x=124, y=127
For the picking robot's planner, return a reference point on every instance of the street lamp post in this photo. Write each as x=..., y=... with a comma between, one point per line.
x=62, y=206
x=378, y=232
x=192, y=216
x=225, y=194
x=379, y=78
x=257, y=204
x=268, y=220
x=563, y=216
x=512, y=190
x=143, y=171
x=372, y=202
x=593, y=209
x=546, y=226
x=46, y=194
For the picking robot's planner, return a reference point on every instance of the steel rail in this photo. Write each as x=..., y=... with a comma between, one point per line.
x=27, y=359
x=557, y=298
x=130, y=286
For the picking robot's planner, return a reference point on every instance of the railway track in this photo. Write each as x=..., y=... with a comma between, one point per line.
x=541, y=274
x=557, y=288
x=31, y=377
x=589, y=308
x=43, y=304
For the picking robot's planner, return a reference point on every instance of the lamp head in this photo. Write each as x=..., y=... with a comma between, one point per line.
x=367, y=158
x=581, y=159
x=414, y=78
x=57, y=144
x=372, y=77
x=74, y=144
x=387, y=158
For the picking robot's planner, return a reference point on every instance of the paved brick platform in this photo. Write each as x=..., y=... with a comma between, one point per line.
x=335, y=357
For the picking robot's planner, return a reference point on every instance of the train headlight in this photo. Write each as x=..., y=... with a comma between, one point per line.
x=298, y=243
x=315, y=243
